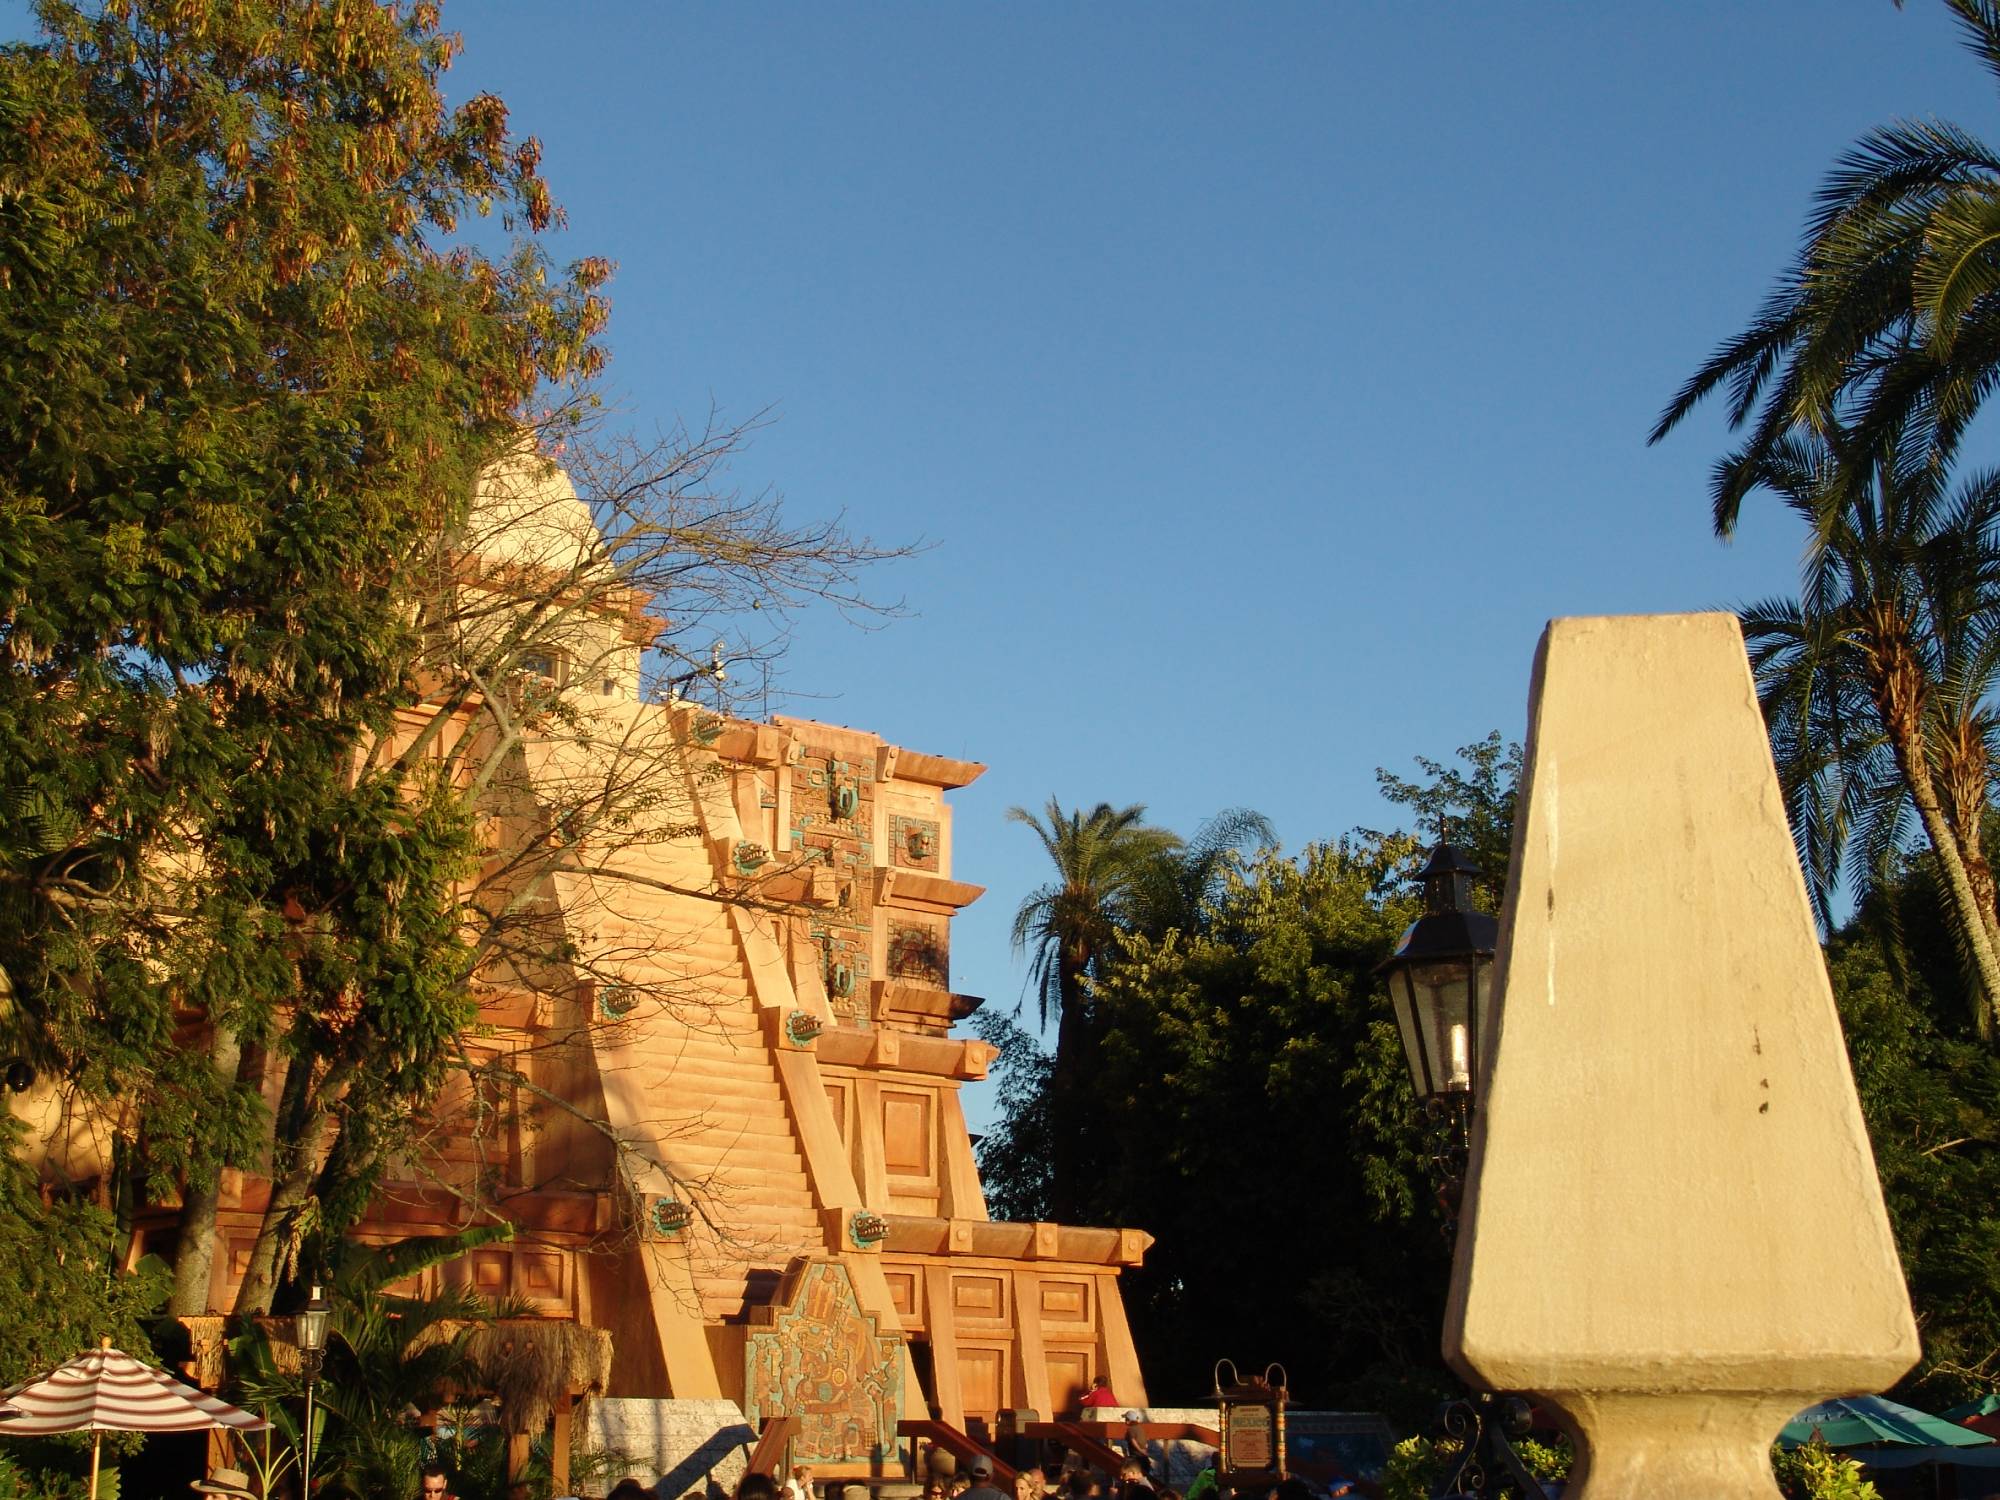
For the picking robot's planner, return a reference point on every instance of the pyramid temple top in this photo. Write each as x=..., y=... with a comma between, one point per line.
x=525, y=513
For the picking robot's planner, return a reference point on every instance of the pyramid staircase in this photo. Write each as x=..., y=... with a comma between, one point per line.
x=716, y=1113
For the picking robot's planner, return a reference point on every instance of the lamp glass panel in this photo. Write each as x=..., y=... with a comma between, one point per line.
x=1482, y=1020
x=1402, y=996
x=1444, y=1005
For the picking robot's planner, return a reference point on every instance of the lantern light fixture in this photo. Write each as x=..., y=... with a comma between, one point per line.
x=1440, y=979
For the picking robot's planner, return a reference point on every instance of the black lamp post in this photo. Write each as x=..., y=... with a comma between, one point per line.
x=309, y=1332
x=1441, y=982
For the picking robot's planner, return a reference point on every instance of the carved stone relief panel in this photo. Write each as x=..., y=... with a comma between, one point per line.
x=916, y=843
x=824, y=1360
x=920, y=951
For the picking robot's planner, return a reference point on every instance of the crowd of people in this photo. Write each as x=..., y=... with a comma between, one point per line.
x=1068, y=1477
x=1072, y=1479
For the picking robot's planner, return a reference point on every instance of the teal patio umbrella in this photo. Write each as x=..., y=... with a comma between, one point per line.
x=1982, y=1415
x=1874, y=1422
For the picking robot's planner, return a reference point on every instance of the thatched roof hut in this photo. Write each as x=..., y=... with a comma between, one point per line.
x=529, y=1364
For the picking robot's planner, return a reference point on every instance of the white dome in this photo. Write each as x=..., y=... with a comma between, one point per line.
x=525, y=512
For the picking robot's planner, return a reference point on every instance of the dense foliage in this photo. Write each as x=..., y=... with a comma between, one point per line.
x=1249, y=1105
x=244, y=373
x=1265, y=1133
x=59, y=1287
x=1930, y=1091
x=1117, y=879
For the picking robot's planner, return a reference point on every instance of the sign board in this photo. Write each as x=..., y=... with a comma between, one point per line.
x=1251, y=1429
x=1251, y=1419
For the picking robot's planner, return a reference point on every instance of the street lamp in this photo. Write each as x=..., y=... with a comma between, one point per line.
x=1440, y=981
x=309, y=1333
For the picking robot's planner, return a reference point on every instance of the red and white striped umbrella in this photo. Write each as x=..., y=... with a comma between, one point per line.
x=107, y=1390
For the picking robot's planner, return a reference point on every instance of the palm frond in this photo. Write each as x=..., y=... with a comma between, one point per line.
x=1960, y=263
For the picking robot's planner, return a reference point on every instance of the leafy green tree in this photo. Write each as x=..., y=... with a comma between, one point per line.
x=1231, y=1036
x=1470, y=804
x=1930, y=1092
x=1814, y=1471
x=1066, y=927
x=246, y=372
x=1262, y=1126
x=1176, y=886
x=1016, y=1154
x=1856, y=382
x=60, y=1291
x=250, y=376
x=387, y=1358
x=1117, y=877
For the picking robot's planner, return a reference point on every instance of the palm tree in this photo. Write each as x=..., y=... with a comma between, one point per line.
x=1175, y=890
x=1116, y=874
x=1103, y=859
x=1888, y=322
x=1876, y=683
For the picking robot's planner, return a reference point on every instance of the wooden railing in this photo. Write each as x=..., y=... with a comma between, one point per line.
x=1084, y=1440
x=768, y=1457
x=959, y=1446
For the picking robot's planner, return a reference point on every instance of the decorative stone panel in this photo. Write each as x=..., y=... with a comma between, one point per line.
x=920, y=952
x=916, y=843
x=819, y=1357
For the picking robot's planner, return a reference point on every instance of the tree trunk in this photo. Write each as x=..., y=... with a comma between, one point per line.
x=1068, y=1099
x=301, y=1127
x=1966, y=912
x=201, y=1195
x=123, y=1191
x=1967, y=777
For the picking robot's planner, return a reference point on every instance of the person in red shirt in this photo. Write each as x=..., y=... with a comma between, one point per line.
x=1099, y=1394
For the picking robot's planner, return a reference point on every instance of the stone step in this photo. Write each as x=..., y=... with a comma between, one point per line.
x=724, y=1001
x=759, y=1128
x=670, y=996
x=701, y=1054
x=728, y=1152
x=721, y=1007
x=713, y=1008
x=698, y=1088
x=715, y=1059
x=734, y=1189
x=712, y=1013
x=718, y=1130
x=654, y=952
x=752, y=1242
x=721, y=1040
x=796, y=1219
x=709, y=968
x=710, y=1088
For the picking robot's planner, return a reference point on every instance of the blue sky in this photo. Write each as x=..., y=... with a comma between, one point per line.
x=1265, y=376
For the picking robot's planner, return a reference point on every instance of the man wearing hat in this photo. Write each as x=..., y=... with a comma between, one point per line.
x=982, y=1480
x=232, y=1482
